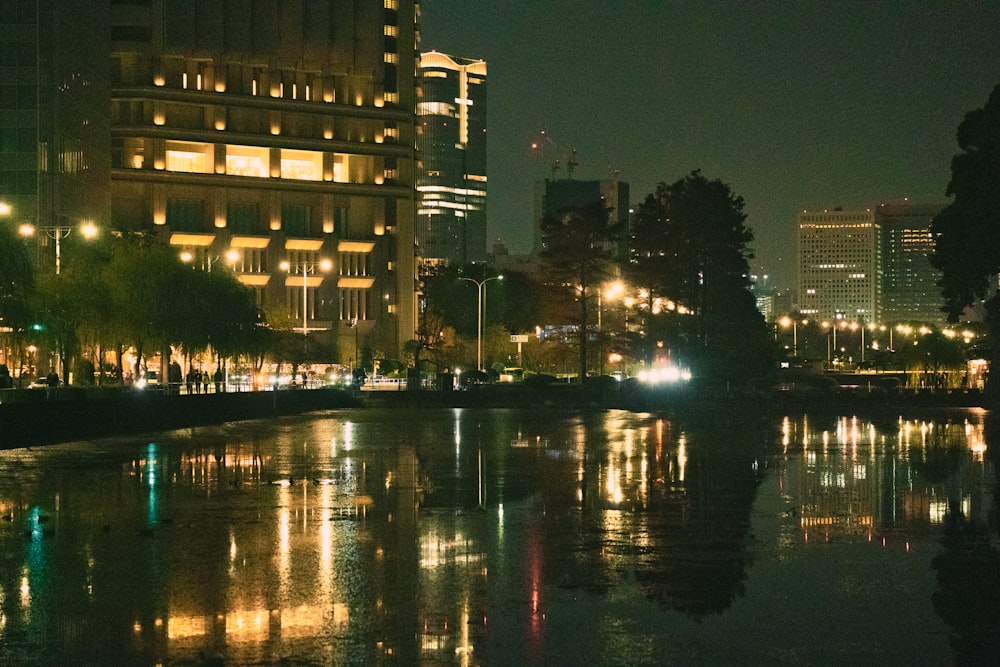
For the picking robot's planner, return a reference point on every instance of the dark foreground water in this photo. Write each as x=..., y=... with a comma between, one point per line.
x=504, y=537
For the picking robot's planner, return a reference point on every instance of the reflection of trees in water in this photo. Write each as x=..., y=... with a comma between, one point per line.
x=685, y=541
x=968, y=574
x=699, y=565
x=937, y=465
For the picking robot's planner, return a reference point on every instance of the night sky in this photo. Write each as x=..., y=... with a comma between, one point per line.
x=795, y=105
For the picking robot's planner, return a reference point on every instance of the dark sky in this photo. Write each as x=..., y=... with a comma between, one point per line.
x=795, y=105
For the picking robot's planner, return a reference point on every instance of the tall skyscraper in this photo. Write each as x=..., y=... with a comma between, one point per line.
x=267, y=134
x=909, y=282
x=839, y=265
x=451, y=176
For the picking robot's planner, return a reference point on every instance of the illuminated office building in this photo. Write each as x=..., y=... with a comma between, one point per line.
x=839, y=265
x=451, y=174
x=909, y=282
x=869, y=265
x=259, y=133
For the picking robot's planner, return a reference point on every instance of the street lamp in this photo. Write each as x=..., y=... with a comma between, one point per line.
x=793, y=322
x=613, y=291
x=231, y=256
x=57, y=232
x=481, y=285
x=305, y=268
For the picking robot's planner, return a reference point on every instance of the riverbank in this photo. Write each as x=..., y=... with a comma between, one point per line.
x=39, y=417
x=45, y=416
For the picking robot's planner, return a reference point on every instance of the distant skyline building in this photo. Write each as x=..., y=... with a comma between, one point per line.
x=451, y=154
x=909, y=282
x=552, y=195
x=870, y=265
x=264, y=134
x=839, y=265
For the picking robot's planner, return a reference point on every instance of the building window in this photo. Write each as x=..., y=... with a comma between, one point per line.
x=295, y=220
x=340, y=221
x=247, y=161
x=243, y=217
x=249, y=260
x=301, y=165
x=189, y=157
x=340, y=169
x=184, y=215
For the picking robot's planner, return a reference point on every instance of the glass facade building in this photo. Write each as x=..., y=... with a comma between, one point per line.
x=451, y=176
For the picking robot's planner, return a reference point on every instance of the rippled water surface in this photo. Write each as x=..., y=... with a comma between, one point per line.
x=503, y=537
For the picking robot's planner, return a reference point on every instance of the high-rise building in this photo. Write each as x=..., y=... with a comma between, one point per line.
x=839, y=265
x=267, y=134
x=909, y=282
x=552, y=195
x=869, y=265
x=451, y=173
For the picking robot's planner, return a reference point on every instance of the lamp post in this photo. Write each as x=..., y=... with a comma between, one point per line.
x=614, y=290
x=793, y=322
x=58, y=233
x=481, y=286
x=231, y=256
x=305, y=268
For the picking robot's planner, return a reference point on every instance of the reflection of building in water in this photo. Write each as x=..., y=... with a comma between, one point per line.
x=858, y=478
x=288, y=573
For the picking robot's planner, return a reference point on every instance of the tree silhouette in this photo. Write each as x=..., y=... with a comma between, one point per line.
x=691, y=246
x=578, y=249
x=967, y=232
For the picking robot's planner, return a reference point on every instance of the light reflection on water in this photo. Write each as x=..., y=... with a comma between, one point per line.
x=491, y=537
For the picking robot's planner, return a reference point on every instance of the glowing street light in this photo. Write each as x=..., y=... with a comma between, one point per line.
x=481, y=285
x=231, y=256
x=87, y=229
x=793, y=322
x=305, y=268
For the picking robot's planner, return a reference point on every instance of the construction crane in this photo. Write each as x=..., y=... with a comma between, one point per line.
x=550, y=151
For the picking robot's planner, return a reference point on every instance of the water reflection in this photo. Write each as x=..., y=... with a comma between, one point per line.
x=475, y=537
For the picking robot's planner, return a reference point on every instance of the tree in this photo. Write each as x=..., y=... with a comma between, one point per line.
x=691, y=247
x=578, y=251
x=967, y=232
x=16, y=285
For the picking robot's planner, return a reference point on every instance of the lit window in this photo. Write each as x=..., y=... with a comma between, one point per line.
x=391, y=31
x=301, y=165
x=188, y=157
x=340, y=168
x=391, y=58
x=247, y=161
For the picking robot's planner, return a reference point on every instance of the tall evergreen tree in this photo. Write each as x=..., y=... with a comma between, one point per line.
x=691, y=246
x=578, y=250
x=967, y=232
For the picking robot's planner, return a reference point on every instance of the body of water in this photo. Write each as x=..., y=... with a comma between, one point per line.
x=384, y=536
